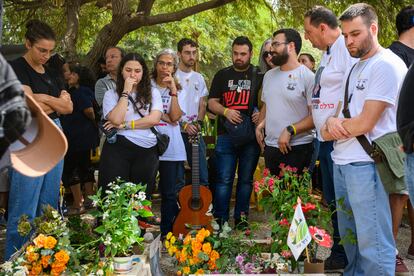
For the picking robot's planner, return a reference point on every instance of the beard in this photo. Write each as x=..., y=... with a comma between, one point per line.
x=189, y=63
x=366, y=46
x=280, y=59
x=240, y=65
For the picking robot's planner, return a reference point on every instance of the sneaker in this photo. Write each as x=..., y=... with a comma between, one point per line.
x=335, y=264
x=400, y=265
x=410, y=252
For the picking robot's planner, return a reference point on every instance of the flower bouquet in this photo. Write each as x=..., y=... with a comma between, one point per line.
x=280, y=195
x=49, y=252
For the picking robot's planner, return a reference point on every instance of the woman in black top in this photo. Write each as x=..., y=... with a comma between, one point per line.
x=28, y=195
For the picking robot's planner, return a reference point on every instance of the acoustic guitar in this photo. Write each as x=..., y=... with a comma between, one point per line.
x=194, y=199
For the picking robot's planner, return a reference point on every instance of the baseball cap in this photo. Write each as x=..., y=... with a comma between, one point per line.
x=40, y=147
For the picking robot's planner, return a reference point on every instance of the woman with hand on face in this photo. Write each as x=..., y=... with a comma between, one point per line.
x=133, y=157
x=28, y=195
x=165, y=66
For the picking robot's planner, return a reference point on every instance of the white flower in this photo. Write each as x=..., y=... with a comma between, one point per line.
x=105, y=215
x=7, y=266
x=141, y=196
x=109, y=192
x=116, y=187
x=21, y=271
x=100, y=272
x=94, y=203
x=108, y=240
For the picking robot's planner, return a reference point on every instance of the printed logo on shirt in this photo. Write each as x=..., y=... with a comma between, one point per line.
x=361, y=83
x=292, y=83
x=238, y=95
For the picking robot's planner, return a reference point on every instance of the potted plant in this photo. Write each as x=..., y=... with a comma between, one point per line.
x=118, y=213
x=280, y=195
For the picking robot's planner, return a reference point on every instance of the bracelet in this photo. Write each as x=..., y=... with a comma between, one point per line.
x=225, y=111
x=124, y=95
x=294, y=129
x=132, y=124
x=185, y=126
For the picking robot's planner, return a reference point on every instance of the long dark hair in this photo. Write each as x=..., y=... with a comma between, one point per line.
x=143, y=95
x=86, y=76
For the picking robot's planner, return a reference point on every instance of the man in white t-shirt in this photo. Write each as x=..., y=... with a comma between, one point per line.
x=193, y=103
x=322, y=29
x=285, y=115
x=373, y=88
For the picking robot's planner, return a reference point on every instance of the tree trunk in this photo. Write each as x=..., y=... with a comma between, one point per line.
x=72, y=9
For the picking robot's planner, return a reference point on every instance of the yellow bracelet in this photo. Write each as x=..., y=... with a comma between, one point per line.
x=294, y=129
x=225, y=111
x=185, y=126
x=132, y=124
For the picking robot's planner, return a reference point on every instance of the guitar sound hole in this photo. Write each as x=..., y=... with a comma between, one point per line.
x=195, y=204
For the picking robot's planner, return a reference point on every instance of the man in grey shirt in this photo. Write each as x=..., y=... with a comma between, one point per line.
x=113, y=57
x=285, y=113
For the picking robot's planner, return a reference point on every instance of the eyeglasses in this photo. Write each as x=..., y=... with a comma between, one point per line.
x=267, y=53
x=163, y=63
x=276, y=44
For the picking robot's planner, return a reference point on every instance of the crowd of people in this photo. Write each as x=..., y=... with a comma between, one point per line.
x=287, y=108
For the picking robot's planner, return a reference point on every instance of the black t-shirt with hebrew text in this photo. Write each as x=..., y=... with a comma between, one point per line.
x=233, y=88
x=39, y=83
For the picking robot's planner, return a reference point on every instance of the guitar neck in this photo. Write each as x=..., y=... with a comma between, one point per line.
x=195, y=171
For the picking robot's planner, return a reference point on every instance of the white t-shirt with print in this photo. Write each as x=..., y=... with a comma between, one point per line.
x=176, y=148
x=287, y=96
x=194, y=88
x=141, y=137
x=327, y=91
x=378, y=78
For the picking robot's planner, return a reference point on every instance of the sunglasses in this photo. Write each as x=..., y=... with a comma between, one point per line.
x=267, y=53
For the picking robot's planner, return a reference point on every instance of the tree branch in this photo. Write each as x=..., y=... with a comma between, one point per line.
x=145, y=7
x=141, y=20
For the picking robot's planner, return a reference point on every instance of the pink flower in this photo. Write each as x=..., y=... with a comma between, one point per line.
x=282, y=165
x=256, y=186
x=286, y=254
x=266, y=172
x=271, y=182
x=321, y=237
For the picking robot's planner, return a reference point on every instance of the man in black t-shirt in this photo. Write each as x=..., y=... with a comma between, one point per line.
x=233, y=97
x=404, y=46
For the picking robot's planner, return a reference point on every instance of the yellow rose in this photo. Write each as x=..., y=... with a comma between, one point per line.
x=186, y=270
x=40, y=240
x=172, y=250
x=169, y=235
x=167, y=244
x=173, y=239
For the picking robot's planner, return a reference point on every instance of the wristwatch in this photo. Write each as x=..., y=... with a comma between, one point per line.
x=291, y=130
x=172, y=94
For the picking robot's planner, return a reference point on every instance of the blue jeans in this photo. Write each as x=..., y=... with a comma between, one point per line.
x=365, y=213
x=169, y=173
x=27, y=196
x=409, y=174
x=203, y=169
x=227, y=158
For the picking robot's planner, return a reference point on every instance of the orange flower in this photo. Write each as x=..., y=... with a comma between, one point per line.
x=186, y=270
x=187, y=240
x=214, y=255
x=45, y=261
x=61, y=257
x=200, y=236
x=40, y=240
x=57, y=269
x=179, y=273
x=50, y=242
x=199, y=271
x=32, y=257
x=30, y=248
x=36, y=269
x=183, y=257
x=196, y=245
x=207, y=248
x=212, y=265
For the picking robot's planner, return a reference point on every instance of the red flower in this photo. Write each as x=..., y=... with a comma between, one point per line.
x=282, y=165
x=321, y=237
x=256, y=186
x=284, y=222
x=286, y=254
x=266, y=172
x=307, y=207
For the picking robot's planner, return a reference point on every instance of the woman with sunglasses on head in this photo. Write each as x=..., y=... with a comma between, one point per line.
x=28, y=195
x=165, y=66
x=133, y=156
x=265, y=58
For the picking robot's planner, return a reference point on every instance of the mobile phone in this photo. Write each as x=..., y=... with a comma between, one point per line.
x=108, y=132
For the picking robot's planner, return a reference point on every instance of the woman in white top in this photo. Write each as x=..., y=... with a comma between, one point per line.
x=133, y=157
x=165, y=66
